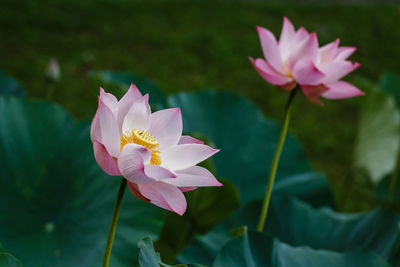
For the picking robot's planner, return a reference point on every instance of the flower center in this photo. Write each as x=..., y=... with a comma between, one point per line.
x=145, y=139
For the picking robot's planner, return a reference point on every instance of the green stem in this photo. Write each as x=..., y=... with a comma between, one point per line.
x=114, y=221
x=275, y=161
x=393, y=178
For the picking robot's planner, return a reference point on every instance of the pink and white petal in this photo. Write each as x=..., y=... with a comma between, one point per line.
x=158, y=172
x=105, y=161
x=305, y=72
x=110, y=135
x=313, y=92
x=186, y=139
x=268, y=73
x=307, y=49
x=194, y=176
x=135, y=191
x=287, y=38
x=131, y=163
x=341, y=90
x=270, y=49
x=138, y=116
x=301, y=35
x=336, y=70
x=110, y=101
x=95, y=131
x=184, y=156
x=166, y=127
x=328, y=52
x=126, y=103
x=344, y=52
x=165, y=196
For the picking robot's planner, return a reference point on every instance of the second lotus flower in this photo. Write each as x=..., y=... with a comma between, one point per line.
x=148, y=150
x=297, y=59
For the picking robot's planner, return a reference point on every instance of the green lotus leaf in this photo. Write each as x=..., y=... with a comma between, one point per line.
x=247, y=141
x=55, y=202
x=260, y=249
x=9, y=86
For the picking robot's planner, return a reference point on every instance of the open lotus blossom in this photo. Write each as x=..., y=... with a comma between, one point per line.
x=148, y=150
x=297, y=59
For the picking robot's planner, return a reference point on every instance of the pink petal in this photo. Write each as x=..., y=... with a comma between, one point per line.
x=305, y=72
x=95, y=131
x=328, y=52
x=287, y=39
x=268, y=73
x=193, y=177
x=158, y=172
x=313, y=92
x=166, y=127
x=338, y=69
x=270, y=49
x=186, y=139
x=165, y=196
x=306, y=49
x=110, y=136
x=105, y=161
x=340, y=90
x=138, y=116
x=131, y=163
x=126, y=103
x=135, y=191
x=184, y=156
x=301, y=35
x=344, y=52
x=110, y=101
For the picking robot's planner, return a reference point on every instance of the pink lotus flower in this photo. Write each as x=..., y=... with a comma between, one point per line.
x=298, y=59
x=148, y=150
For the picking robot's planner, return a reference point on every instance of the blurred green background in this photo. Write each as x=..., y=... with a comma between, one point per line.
x=192, y=45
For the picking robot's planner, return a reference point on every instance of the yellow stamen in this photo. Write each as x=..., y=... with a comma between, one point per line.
x=145, y=139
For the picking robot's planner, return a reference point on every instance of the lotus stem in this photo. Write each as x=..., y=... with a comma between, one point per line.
x=114, y=221
x=275, y=161
x=393, y=178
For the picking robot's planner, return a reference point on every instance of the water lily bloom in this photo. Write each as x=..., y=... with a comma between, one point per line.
x=148, y=150
x=297, y=59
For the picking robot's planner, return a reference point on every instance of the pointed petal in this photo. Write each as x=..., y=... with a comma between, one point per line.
x=328, y=52
x=138, y=116
x=158, y=172
x=341, y=90
x=105, y=161
x=307, y=49
x=338, y=69
x=165, y=196
x=186, y=139
x=268, y=73
x=287, y=39
x=344, y=52
x=110, y=101
x=195, y=176
x=184, y=156
x=131, y=163
x=314, y=92
x=110, y=136
x=270, y=49
x=166, y=127
x=305, y=72
x=126, y=103
x=95, y=131
x=301, y=35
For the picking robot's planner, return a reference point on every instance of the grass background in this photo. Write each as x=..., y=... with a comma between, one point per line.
x=191, y=45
